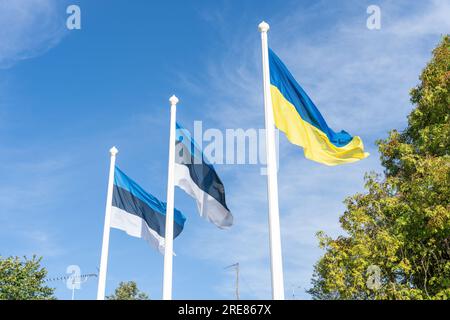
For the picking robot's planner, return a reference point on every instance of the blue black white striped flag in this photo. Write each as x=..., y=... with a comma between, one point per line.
x=199, y=179
x=140, y=214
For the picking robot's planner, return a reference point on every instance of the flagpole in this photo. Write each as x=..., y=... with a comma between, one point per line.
x=168, y=248
x=276, y=262
x=106, y=228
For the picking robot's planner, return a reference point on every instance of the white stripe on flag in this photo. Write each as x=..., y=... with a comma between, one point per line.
x=208, y=207
x=136, y=227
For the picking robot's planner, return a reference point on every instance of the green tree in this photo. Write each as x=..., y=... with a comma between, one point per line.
x=128, y=291
x=23, y=279
x=401, y=224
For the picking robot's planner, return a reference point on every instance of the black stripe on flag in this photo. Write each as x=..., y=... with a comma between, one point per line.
x=126, y=201
x=202, y=173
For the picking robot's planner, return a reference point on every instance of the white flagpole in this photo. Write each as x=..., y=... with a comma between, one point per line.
x=276, y=262
x=106, y=228
x=168, y=249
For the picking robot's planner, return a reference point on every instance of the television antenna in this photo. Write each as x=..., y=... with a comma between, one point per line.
x=72, y=281
x=236, y=267
x=293, y=290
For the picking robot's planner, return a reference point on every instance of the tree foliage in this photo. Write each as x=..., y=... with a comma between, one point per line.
x=23, y=279
x=128, y=291
x=401, y=224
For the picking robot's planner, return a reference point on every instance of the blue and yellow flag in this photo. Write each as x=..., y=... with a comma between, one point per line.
x=297, y=116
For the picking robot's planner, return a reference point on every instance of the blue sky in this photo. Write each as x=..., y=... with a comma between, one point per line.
x=67, y=96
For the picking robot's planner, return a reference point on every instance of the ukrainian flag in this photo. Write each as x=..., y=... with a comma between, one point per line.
x=297, y=116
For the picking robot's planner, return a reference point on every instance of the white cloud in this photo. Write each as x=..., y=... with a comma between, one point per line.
x=30, y=190
x=435, y=19
x=42, y=243
x=28, y=28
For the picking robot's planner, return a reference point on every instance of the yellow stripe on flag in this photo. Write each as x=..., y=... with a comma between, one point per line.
x=316, y=145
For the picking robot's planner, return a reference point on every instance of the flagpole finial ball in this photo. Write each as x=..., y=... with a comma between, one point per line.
x=113, y=151
x=173, y=100
x=263, y=27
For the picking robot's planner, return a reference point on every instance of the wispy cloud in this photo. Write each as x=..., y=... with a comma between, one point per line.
x=42, y=243
x=28, y=191
x=29, y=28
x=28, y=185
x=433, y=20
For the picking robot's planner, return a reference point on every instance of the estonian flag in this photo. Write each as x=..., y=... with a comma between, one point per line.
x=296, y=115
x=198, y=178
x=140, y=214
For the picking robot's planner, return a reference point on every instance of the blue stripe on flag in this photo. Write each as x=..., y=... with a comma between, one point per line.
x=155, y=220
x=123, y=181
